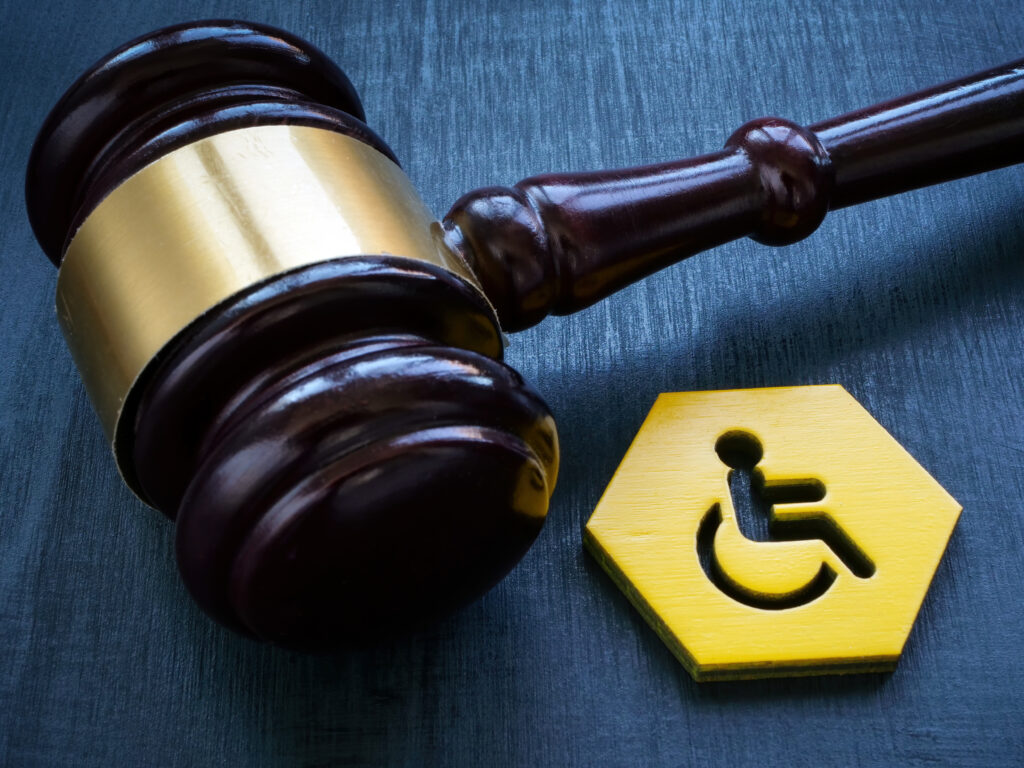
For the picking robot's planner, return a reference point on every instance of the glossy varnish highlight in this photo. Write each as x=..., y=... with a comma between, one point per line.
x=341, y=446
x=557, y=243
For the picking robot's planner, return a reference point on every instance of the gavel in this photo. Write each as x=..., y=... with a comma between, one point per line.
x=295, y=362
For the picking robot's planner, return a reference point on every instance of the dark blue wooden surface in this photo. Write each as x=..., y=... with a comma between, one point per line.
x=914, y=304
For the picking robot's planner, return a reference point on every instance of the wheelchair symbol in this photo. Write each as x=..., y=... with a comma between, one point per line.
x=790, y=553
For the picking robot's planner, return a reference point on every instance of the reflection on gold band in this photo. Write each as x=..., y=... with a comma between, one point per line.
x=214, y=218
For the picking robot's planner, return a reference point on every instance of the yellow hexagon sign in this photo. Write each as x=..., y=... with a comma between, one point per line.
x=826, y=573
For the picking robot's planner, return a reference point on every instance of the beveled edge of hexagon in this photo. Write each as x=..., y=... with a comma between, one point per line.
x=639, y=602
x=706, y=673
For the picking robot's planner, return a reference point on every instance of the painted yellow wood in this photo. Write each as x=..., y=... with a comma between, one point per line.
x=868, y=528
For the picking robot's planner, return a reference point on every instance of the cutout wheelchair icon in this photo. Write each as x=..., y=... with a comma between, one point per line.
x=769, y=545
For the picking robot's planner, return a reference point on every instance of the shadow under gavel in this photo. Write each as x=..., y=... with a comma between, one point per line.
x=298, y=365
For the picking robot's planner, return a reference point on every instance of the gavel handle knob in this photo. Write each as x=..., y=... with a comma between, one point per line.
x=557, y=243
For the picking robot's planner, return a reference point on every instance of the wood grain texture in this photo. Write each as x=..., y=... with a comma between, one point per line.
x=856, y=531
x=913, y=304
x=561, y=242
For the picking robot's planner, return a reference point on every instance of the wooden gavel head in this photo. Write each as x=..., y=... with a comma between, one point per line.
x=287, y=360
x=297, y=364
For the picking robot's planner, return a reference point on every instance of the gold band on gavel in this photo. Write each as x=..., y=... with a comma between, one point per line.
x=213, y=218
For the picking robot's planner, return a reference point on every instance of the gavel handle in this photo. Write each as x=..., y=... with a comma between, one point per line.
x=958, y=129
x=560, y=242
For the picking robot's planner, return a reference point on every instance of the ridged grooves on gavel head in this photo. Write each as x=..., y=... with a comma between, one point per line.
x=345, y=454
x=170, y=88
x=342, y=448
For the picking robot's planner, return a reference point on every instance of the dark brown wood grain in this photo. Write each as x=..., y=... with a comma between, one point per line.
x=344, y=453
x=170, y=88
x=558, y=243
x=387, y=466
x=343, y=450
